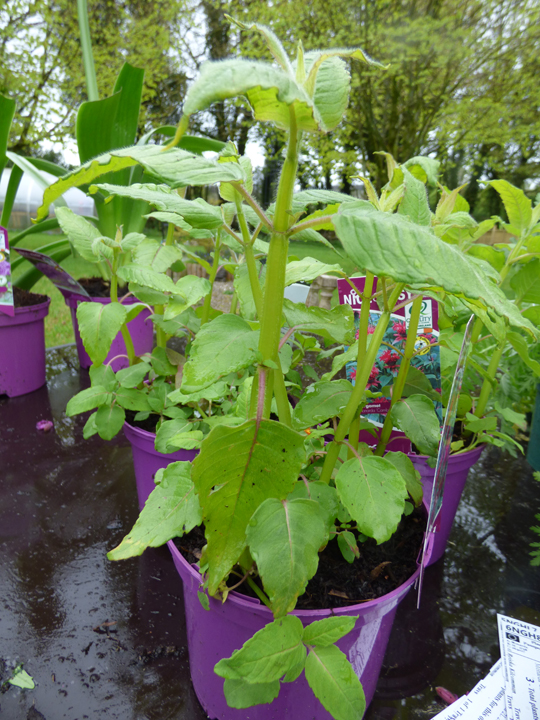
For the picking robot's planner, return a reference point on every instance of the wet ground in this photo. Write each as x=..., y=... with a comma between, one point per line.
x=107, y=640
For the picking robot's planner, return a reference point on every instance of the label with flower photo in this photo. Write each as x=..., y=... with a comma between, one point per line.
x=6, y=288
x=384, y=372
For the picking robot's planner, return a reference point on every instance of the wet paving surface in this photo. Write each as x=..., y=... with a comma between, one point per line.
x=107, y=640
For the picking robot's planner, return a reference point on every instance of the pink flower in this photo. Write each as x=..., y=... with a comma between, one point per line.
x=400, y=328
x=390, y=358
x=446, y=695
x=44, y=425
x=370, y=329
x=373, y=375
x=353, y=376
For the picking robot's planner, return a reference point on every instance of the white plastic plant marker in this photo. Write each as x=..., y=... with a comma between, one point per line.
x=60, y=278
x=297, y=292
x=444, y=448
x=485, y=701
x=520, y=654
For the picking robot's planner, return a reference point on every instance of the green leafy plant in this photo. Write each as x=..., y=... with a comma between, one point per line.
x=286, y=493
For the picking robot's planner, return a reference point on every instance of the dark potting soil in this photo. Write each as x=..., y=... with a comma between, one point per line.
x=149, y=424
x=337, y=583
x=23, y=298
x=97, y=287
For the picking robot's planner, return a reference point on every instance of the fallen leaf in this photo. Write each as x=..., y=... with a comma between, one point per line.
x=378, y=570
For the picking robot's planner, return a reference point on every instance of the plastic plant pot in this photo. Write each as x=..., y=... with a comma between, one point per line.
x=456, y=477
x=22, y=350
x=216, y=633
x=147, y=460
x=141, y=329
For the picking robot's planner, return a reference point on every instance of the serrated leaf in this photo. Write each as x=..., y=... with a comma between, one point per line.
x=227, y=191
x=176, y=167
x=146, y=276
x=167, y=430
x=390, y=246
x=374, y=493
x=415, y=202
x=417, y=383
x=22, y=679
x=323, y=400
x=109, y=420
x=496, y=258
x=423, y=168
x=334, y=682
x=242, y=287
x=521, y=347
x=284, y=539
x=268, y=655
x=132, y=399
x=80, y=232
x=157, y=255
x=336, y=324
x=99, y=324
x=328, y=631
x=263, y=461
x=103, y=375
x=517, y=205
x=197, y=213
x=240, y=694
x=339, y=361
x=225, y=345
x=171, y=510
x=308, y=269
x=409, y=473
x=187, y=292
x=171, y=217
x=526, y=282
x=416, y=417
x=132, y=376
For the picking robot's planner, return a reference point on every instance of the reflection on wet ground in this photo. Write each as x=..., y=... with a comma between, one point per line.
x=107, y=640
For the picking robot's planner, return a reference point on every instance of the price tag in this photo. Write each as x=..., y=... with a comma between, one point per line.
x=484, y=702
x=6, y=289
x=520, y=654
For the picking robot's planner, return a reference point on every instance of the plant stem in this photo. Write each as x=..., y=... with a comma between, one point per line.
x=487, y=386
x=277, y=259
x=234, y=303
x=213, y=272
x=257, y=590
x=86, y=47
x=250, y=258
x=130, y=350
x=402, y=375
x=362, y=376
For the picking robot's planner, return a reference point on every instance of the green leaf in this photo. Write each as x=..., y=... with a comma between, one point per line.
x=171, y=510
x=94, y=127
x=146, y=276
x=7, y=113
x=22, y=679
x=496, y=258
x=88, y=399
x=416, y=417
x=197, y=213
x=99, y=324
x=336, y=324
x=418, y=384
x=521, y=347
x=308, y=269
x=269, y=90
x=79, y=231
x=187, y=292
x=409, y=473
x=526, y=282
x=374, y=493
x=390, y=246
x=334, y=682
x=109, y=420
x=227, y=191
x=156, y=255
x=423, y=168
x=132, y=376
x=517, y=205
x=130, y=83
x=348, y=546
x=242, y=287
x=415, y=202
x=240, y=694
x=322, y=400
x=263, y=461
x=132, y=399
x=328, y=82
x=301, y=200
x=167, y=430
x=225, y=345
x=339, y=361
x=175, y=167
x=284, y=539
x=103, y=375
x=272, y=42
x=328, y=631
x=268, y=655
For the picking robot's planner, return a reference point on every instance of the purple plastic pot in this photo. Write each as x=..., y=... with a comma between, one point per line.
x=142, y=334
x=22, y=350
x=456, y=477
x=147, y=460
x=215, y=634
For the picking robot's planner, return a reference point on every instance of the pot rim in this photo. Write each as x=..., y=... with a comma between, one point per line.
x=21, y=314
x=456, y=456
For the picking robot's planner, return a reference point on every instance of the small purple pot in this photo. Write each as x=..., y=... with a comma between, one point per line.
x=147, y=460
x=456, y=477
x=22, y=350
x=142, y=334
x=215, y=634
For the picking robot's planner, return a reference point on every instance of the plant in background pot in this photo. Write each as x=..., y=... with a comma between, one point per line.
x=275, y=501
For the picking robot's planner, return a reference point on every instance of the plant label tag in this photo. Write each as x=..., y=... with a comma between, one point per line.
x=61, y=279
x=7, y=305
x=520, y=654
x=486, y=701
x=444, y=447
x=426, y=360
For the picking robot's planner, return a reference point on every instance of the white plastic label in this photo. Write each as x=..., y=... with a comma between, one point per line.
x=520, y=654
